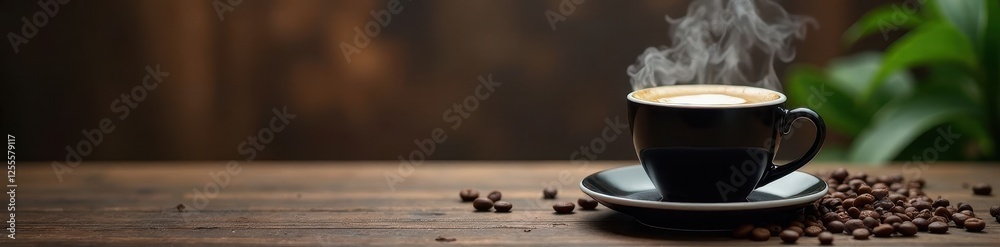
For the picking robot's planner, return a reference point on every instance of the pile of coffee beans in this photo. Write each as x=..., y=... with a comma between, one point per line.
x=885, y=206
x=493, y=201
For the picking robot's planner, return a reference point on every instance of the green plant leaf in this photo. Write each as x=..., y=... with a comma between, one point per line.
x=902, y=121
x=967, y=15
x=809, y=87
x=852, y=75
x=882, y=20
x=930, y=43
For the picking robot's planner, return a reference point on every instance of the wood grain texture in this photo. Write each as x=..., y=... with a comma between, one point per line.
x=350, y=203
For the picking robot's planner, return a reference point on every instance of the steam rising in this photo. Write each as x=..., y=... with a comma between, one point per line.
x=723, y=42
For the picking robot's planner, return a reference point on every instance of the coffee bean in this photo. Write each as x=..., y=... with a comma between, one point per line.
x=549, y=192
x=943, y=212
x=938, y=227
x=848, y=203
x=921, y=205
x=494, y=196
x=813, y=231
x=880, y=193
x=444, y=239
x=789, y=236
x=982, y=189
x=839, y=174
x=965, y=206
x=921, y=223
x=468, y=195
x=760, y=234
x=482, y=204
x=563, y=207
x=869, y=213
x=502, y=206
x=854, y=212
x=941, y=202
x=795, y=229
x=835, y=226
x=870, y=222
x=974, y=225
x=864, y=189
x=864, y=199
x=743, y=231
x=843, y=187
x=774, y=229
x=995, y=211
x=860, y=234
x=997, y=218
x=939, y=219
x=968, y=213
x=854, y=224
x=959, y=219
x=883, y=230
x=587, y=203
x=907, y=229
x=825, y=238
x=892, y=219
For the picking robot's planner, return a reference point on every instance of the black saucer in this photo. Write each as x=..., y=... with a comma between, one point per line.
x=628, y=190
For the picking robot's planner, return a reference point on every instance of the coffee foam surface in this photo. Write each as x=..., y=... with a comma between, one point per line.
x=707, y=95
x=703, y=99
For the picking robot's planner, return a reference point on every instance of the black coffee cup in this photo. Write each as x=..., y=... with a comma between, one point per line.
x=713, y=143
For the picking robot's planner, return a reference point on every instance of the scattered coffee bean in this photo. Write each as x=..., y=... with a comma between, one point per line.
x=982, y=189
x=180, y=207
x=854, y=224
x=494, y=196
x=864, y=189
x=774, y=229
x=563, y=207
x=854, y=212
x=549, y=192
x=835, y=226
x=789, y=236
x=839, y=174
x=502, y=206
x=468, y=195
x=939, y=219
x=760, y=234
x=482, y=204
x=825, y=238
x=527, y=230
x=998, y=219
x=974, y=225
x=870, y=222
x=938, y=227
x=921, y=223
x=813, y=231
x=743, y=231
x=995, y=211
x=892, y=219
x=907, y=229
x=444, y=239
x=860, y=234
x=943, y=212
x=941, y=202
x=864, y=199
x=965, y=206
x=883, y=230
x=795, y=229
x=587, y=203
x=959, y=219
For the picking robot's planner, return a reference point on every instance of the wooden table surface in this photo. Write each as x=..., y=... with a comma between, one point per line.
x=351, y=203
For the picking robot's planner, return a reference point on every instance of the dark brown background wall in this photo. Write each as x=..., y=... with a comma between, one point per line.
x=558, y=87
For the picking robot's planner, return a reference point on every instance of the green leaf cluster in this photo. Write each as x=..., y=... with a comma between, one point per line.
x=942, y=75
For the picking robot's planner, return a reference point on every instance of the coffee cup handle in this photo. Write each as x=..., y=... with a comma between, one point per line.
x=775, y=171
